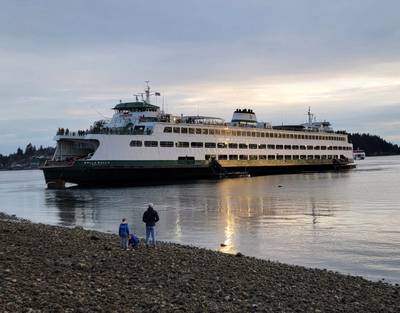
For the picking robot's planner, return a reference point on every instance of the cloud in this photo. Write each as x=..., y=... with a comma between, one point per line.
x=67, y=60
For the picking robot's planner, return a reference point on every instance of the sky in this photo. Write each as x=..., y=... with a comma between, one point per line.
x=67, y=63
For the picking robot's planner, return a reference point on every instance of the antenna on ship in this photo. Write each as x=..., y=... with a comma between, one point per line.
x=147, y=91
x=310, y=116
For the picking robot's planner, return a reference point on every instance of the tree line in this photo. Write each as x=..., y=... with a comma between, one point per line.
x=31, y=157
x=373, y=145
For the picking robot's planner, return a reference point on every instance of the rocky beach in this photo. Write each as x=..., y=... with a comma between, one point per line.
x=54, y=269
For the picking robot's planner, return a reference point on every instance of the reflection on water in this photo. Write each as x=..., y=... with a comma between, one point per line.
x=346, y=221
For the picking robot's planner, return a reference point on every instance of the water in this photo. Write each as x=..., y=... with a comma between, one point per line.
x=347, y=222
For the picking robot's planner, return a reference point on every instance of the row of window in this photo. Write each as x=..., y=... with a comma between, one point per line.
x=222, y=145
x=247, y=133
x=270, y=157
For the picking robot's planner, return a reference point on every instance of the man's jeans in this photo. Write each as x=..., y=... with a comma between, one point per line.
x=150, y=233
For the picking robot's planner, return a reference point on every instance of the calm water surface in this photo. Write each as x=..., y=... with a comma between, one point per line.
x=349, y=221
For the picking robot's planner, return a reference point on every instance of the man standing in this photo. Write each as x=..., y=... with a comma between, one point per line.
x=150, y=217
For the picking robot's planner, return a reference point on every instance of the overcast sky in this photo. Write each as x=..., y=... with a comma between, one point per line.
x=66, y=63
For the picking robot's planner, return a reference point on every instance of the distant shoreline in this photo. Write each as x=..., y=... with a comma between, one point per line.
x=53, y=268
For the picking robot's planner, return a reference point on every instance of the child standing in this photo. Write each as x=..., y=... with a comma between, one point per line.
x=124, y=234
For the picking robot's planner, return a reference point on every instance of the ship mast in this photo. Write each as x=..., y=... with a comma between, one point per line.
x=310, y=117
x=147, y=91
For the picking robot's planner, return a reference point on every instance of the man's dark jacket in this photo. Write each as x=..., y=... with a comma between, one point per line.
x=150, y=217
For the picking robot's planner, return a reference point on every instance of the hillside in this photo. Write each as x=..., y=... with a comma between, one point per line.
x=373, y=145
x=31, y=158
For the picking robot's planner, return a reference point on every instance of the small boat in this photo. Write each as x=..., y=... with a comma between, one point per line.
x=358, y=154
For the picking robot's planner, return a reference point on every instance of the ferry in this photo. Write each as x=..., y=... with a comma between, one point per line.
x=358, y=154
x=142, y=144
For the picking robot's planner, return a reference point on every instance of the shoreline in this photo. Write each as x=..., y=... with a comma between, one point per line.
x=58, y=269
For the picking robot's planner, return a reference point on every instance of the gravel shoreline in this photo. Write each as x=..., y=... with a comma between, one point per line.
x=54, y=269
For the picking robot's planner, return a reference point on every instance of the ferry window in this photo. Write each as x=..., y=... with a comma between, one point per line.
x=177, y=130
x=243, y=157
x=323, y=147
x=275, y=135
x=288, y=157
x=302, y=147
x=279, y=135
x=242, y=146
x=329, y=157
x=211, y=131
x=262, y=157
x=295, y=147
x=317, y=157
x=135, y=143
x=271, y=157
x=210, y=145
x=222, y=157
x=291, y=136
x=191, y=130
x=303, y=157
x=316, y=148
x=221, y=145
x=228, y=132
x=217, y=131
x=302, y=136
x=295, y=157
x=167, y=129
x=340, y=148
x=248, y=134
x=233, y=132
x=283, y=135
x=335, y=148
x=166, y=144
x=310, y=157
x=288, y=147
x=271, y=146
x=252, y=146
x=210, y=157
x=279, y=146
x=205, y=131
x=184, y=130
x=198, y=131
x=252, y=157
x=330, y=148
x=323, y=157
x=262, y=135
x=138, y=130
x=239, y=133
x=266, y=135
x=233, y=157
x=223, y=132
x=151, y=143
x=182, y=144
x=262, y=146
x=279, y=157
x=196, y=144
x=257, y=134
x=310, y=147
x=253, y=134
x=233, y=145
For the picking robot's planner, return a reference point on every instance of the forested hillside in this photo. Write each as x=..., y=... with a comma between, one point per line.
x=373, y=145
x=29, y=158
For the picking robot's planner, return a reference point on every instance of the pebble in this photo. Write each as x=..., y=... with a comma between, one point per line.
x=87, y=272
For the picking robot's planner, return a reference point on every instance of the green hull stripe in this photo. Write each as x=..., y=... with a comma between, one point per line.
x=142, y=164
x=197, y=163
